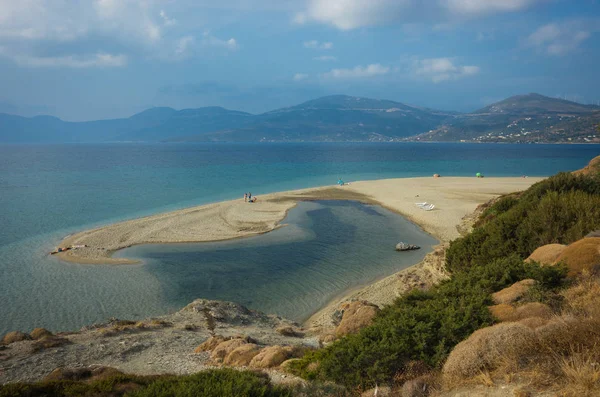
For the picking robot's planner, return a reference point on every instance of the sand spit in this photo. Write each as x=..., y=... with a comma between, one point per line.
x=454, y=197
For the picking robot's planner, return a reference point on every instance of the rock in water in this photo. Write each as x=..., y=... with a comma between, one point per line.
x=406, y=247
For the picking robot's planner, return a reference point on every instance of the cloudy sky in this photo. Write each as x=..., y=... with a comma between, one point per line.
x=93, y=59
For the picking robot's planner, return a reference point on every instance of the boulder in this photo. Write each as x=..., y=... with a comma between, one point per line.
x=546, y=254
x=241, y=356
x=406, y=247
x=582, y=255
x=595, y=233
x=356, y=315
x=504, y=312
x=210, y=344
x=273, y=356
x=489, y=348
x=39, y=333
x=224, y=348
x=514, y=292
x=15, y=336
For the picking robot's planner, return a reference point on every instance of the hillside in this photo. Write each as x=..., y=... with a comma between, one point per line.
x=522, y=119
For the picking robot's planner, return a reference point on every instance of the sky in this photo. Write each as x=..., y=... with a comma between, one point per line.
x=99, y=59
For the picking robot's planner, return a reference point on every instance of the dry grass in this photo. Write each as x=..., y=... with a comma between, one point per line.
x=502, y=312
x=582, y=255
x=546, y=254
x=513, y=293
x=562, y=358
x=499, y=346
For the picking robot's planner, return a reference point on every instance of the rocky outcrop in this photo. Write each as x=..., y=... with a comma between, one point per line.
x=355, y=316
x=153, y=346
x=274, y=356
x=242, y=356
x=39, y=333
x=406, y=247
x=15, y=336
x=223, y=349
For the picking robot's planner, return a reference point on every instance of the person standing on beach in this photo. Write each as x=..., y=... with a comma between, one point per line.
x=245, y=197
x=249, y=196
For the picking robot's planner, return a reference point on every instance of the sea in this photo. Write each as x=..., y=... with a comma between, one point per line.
x=50, y=191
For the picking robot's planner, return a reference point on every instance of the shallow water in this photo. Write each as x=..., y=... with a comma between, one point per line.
x=50, y=191
x=327, y=247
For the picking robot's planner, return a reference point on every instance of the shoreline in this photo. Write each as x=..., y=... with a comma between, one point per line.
x=455, y=198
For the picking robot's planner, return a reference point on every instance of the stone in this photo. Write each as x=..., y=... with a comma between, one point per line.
x=241, y=356
x=210, y=344
x=273, y=356
x=15, y=336
x=224, y=348
x=406, y=247
x=39, y=333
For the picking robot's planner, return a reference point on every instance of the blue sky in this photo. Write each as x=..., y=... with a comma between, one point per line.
x=94, y=59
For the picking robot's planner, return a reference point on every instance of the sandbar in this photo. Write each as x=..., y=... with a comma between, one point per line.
x=453, y=197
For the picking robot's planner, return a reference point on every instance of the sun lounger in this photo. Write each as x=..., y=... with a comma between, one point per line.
x=428, y=207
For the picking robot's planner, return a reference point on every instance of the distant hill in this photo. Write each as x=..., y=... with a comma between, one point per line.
x=334, y=118
x=522, y=118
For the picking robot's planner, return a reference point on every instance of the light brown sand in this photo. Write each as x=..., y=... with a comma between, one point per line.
x=454, y=197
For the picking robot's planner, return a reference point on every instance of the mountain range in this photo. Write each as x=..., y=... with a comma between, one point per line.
x=522, y=118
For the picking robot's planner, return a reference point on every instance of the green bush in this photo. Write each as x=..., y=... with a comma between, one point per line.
x=561, y=209
x=212, y=383
x=422, y=326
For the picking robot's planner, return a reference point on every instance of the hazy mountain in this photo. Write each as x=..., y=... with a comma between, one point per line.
x=335, y=118
x=523, y=118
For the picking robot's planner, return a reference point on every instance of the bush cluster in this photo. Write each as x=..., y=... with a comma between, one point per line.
x=422, y=326
x=560, y=209
x=212, y=383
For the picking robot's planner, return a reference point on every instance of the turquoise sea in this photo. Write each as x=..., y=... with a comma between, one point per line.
x=50, y=191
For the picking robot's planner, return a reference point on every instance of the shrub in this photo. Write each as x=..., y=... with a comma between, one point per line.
x=212, y=383
x=547, y=213
x=423, y=326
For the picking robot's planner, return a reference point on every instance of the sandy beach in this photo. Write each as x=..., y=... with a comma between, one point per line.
x=453, y=197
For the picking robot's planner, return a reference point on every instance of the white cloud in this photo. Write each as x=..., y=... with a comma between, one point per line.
x=441, y=69
x=325, y=58
x=479, y=7
x=166, y=20
x=212, y=41
x=352, y=14
x=184, y=44
x=317, y=45
x=300, y=77
x=98, y=60
x=560, y=39
x=358, y=72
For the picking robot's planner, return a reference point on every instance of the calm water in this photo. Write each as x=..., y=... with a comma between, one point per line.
x=47, y=192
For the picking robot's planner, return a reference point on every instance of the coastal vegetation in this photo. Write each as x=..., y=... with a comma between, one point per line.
x=423, y=327
x=212, y=383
